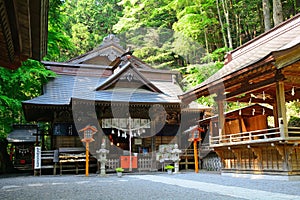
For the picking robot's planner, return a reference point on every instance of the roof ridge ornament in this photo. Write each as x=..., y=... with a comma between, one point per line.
x=111, y=38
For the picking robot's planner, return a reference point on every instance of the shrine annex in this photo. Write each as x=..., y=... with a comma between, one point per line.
x=134, y=107
x=266, y=71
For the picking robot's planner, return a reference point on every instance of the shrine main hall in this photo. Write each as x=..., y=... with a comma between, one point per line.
x=134, y=107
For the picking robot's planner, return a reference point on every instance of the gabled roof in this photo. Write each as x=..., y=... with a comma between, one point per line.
x=130, y=73
x=86, y=79
x=110, y=49
x=22, y=133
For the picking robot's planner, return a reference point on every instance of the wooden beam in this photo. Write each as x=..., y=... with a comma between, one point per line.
x=248, y=88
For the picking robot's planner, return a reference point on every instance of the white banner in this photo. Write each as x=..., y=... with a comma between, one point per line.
x=37, y=158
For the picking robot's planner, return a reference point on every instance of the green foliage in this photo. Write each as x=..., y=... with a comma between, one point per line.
x=88, y=22
x=119, y=169
x=159, y=58
x=196, y=74
x=294, y=121
x=169, y=167
x=144, y=13
x=17, y=86
x=216, y=56
x=59, y=43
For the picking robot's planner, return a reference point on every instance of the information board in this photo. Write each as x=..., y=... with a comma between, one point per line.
x=37, y=158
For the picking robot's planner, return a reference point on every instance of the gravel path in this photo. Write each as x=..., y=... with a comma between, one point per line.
x=151, y=186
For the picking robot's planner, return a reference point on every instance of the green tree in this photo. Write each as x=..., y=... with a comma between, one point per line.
x=60, y=47
x=16, y=86
x=88, y=22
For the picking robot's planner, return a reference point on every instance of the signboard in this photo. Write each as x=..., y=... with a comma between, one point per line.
x=65, y=129
x=37, y=158
x=138, y=141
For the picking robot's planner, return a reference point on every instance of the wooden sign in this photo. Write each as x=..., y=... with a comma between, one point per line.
x=37, y=158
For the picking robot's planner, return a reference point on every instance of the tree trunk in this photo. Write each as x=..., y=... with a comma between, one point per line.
x=221, y=23
x=206, y=42
x=226, y=12
x=238, y=29
x=277, y=12
x=266, y=12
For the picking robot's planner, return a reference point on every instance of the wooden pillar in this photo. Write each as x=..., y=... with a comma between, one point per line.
x=275, y=114
x=221, y=118
x=238, y=155
x=281, y=109
x=196, y=156
x=86, y=160
x=258, y=152
x=210, y=131
x=153, y=145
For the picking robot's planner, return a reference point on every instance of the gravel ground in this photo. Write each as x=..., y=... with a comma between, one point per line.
x=186, y=185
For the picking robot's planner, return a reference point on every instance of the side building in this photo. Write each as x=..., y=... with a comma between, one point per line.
x=263, y=71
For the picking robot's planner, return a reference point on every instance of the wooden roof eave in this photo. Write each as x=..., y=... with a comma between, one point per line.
x=31, y=109
x=287, y=56
x=24, y=26
x=221, y=84
x=115, y=103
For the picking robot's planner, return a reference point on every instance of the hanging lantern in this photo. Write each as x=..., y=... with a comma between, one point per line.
x=139, y=132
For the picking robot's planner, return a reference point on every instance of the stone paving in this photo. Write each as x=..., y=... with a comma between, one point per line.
x=185, y=185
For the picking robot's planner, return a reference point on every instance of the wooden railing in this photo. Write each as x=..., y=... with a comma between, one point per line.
x=294, y=131
x=271, y=134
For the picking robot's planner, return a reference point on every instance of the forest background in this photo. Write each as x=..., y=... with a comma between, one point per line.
x=189, y=36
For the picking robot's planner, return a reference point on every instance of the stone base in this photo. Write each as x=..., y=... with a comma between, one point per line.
x=263, y=176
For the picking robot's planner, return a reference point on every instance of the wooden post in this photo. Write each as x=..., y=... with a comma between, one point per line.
x=87, y=159
x=281, y=110
x=196, y=156
x=153, y=145
x=88, y=133
x=221, y=118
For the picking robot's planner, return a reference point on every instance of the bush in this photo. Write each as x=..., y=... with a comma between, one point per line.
x=294, y=121
x=168, y=167
x=119, y=169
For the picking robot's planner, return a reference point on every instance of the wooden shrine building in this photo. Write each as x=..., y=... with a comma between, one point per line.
x=22, y=141
x=134, y=107
x=265, y=70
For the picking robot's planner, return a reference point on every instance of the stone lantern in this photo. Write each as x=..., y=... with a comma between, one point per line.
x=175, y=156
x=101, y=157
